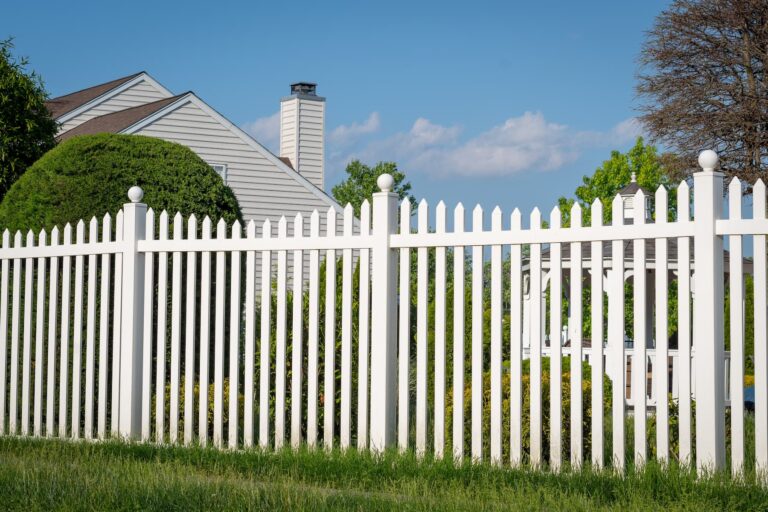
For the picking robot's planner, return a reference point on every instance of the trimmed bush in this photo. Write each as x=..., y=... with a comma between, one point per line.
x=90, y=175
x=586, y=426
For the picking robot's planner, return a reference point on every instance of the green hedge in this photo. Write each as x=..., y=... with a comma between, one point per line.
x=90, y=175
x=586, y=426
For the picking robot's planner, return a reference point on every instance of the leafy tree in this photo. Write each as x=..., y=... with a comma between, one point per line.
x=703, y=79
x=90, y=175
x=360, y=183
x=26, y=128
x=614, y=174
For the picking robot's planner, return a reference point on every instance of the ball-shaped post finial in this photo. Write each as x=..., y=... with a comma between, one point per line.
x=135, y=194
x=708, y=160
x=385, y=182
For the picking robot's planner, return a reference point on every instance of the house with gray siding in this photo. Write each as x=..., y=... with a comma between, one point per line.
x=266, y=185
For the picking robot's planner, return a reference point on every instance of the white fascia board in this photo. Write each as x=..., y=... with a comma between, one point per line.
x=192, y=98
x=142, y=77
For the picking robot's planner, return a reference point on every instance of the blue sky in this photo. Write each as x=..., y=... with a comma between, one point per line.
x=506, y=103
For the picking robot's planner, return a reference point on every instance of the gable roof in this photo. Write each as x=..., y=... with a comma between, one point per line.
x=116, y=122
x=133, y=119
x=278, y=162
x=69, y=102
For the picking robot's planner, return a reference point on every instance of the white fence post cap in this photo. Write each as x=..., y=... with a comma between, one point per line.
x=708, y=160
x=135, y=194
x=385, y=182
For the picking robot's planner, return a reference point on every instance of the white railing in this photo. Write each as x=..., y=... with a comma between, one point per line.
x=179, y=331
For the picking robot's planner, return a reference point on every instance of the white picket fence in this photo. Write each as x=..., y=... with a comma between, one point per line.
x=129, y=341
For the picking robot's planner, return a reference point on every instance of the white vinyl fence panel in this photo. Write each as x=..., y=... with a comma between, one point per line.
x=435, y=338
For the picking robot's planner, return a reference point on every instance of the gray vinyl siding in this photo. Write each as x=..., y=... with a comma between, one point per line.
x=263, y=190
x=139, y=94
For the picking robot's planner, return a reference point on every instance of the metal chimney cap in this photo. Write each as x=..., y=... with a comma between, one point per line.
x=305, y=91
x=304, y=88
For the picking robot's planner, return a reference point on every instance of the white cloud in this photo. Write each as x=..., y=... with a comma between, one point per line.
x=528, y=142
x=628, y=130
x=266, y=130
x=348, y=133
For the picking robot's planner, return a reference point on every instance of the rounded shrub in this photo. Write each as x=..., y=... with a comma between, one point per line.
x=91, y=174
x=565, y=413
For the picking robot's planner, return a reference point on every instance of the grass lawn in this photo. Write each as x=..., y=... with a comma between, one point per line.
x=50, y=475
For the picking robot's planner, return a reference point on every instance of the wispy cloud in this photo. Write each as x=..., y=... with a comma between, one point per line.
x=266, y=130
x=347, y=133
x=528, y=142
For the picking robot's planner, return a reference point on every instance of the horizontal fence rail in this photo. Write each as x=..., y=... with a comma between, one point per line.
x=588, y=338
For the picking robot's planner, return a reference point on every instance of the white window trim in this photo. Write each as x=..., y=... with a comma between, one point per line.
x=223, y=172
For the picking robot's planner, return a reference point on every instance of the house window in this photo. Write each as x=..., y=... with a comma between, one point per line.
x=221, y=170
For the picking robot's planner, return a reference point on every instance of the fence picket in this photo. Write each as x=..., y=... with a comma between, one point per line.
x=761, y=335
x=596, y=357
x=439, y=329
x=496, y=328
x=26, y=363
x=264, y=338
x=536, y=323
x=458, y=337
x=516, y=345
x=149, y=295
x=14, y=385
x=250, y=337
x=77, y=326
x=90, y=333
x=235, y=303
x=297, y=339
x=422, y=301
x=346, y=335
x=660, y=368
x=176, y=301
x=404, y=332
x=205, y=334
x=53, y=299
x=639, y=358
x=684, y=321
x=313, y=332
x=4, y=329
x=106, y=271
x=616, y=336
x=555, y=345
x=37, y=424
x=281, y=336
x=116, y=326
x=736, y=283
x=363, y=330
x=162, y=307
x=329, y=341
x=64, y=340
x=575, y=327
x=477, y=339
x=218, y=341
x=189, y=337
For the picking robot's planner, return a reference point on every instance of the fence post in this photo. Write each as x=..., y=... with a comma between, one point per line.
x=131, y=334
x=383, y=317
x=708, y=312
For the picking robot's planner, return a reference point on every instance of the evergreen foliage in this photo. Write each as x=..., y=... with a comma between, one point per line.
x=90, y=175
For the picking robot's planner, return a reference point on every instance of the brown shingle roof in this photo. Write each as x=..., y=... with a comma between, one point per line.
x=69, y=102
x=118, y=121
